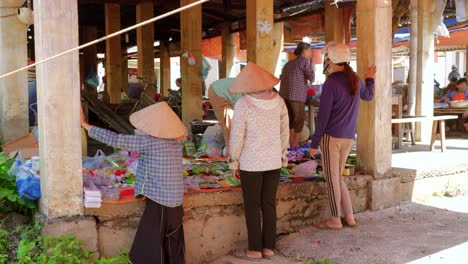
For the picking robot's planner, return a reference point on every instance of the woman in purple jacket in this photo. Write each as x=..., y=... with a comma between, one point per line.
x=336, y=128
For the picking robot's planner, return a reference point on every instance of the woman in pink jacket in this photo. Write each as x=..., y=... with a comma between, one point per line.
x=259, y=141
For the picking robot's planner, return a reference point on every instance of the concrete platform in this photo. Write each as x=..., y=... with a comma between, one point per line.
x=423, y=173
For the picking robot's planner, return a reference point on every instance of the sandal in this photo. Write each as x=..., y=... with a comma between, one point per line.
x=242, y=254
x=345, y=223
x=325, y=225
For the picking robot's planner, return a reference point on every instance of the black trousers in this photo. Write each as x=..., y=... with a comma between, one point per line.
x=259, y=193
x=160, y=236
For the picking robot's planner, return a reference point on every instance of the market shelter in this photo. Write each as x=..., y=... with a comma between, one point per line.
x=212, y=218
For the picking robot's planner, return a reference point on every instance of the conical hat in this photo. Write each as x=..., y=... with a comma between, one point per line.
x=159, y=121
x=253, y=79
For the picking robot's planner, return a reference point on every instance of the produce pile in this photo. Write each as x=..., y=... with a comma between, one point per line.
x=202, y=174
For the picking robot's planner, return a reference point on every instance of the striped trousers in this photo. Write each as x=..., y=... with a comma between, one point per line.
x=335, y=151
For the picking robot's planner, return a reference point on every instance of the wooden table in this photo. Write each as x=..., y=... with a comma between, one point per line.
x=452, y=111
x=437, y=122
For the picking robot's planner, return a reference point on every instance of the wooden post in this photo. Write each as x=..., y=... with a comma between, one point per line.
x=466, y=60
x=260, y=34
x=125, y=72
x=229, y=51
x=413, y=71
x=14, y=117
x=191, y=33
x=165, y=62
x=145, y=43
x=334, y=22
x=89, y=54
x=113, y=54
x=374, y=142
x=425, y=74
x=58, y=83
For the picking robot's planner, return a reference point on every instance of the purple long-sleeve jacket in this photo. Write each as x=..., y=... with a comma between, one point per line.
x=338, y=110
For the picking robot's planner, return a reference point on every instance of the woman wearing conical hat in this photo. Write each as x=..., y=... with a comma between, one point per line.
x=258, y=146
x=160, y=235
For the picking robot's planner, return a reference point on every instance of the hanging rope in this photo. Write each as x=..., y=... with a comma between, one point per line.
x=146, y=22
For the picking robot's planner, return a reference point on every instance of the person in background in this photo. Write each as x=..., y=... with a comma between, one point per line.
x=436, y=84
x=454, y=73
x=178, y=83
x=336, y=129
x=223, y=103
x=259, y=143
x=450, y=87
x=459, y=94
x=294, y=88
x=160, y=235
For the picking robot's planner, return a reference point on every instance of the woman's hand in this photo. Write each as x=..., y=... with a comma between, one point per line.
x=235, y=174
x=371, y=71
x=447, y=100
x=84, y=123
x=314, y=152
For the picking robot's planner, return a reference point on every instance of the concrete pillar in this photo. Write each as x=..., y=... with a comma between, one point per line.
x=229, y=51
x=425, y=76
x=374, y=141
x=191, y=33
x=113, y=54
x=165, y=62
x=14, y=118
x=262, y=35
x=334, y=22
x=89, y=54
x=145, y=43
x=56, y=30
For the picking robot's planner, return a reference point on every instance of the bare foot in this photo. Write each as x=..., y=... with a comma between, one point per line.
x=268, y=252
x=254, y=254
x=350, y=220
x=328, y=224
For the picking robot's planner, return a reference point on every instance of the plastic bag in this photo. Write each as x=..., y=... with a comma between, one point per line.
x=462, y=10
x=132, y=167
x=28, y=184
x=94, y=162
x=92, y=79
x=306, y=168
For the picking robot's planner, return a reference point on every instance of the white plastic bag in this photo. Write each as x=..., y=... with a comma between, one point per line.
x=132, y=168
x=94, y=162
x=306, y=168
x=461, y=10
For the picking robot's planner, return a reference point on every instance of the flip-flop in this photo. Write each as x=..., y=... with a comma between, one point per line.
x=345, y=224
x=324, y=225
x=242, y=254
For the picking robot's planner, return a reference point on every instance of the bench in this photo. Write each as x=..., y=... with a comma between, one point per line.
x=437, y=121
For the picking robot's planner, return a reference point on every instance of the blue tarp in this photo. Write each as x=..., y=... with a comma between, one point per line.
x=401, y=35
